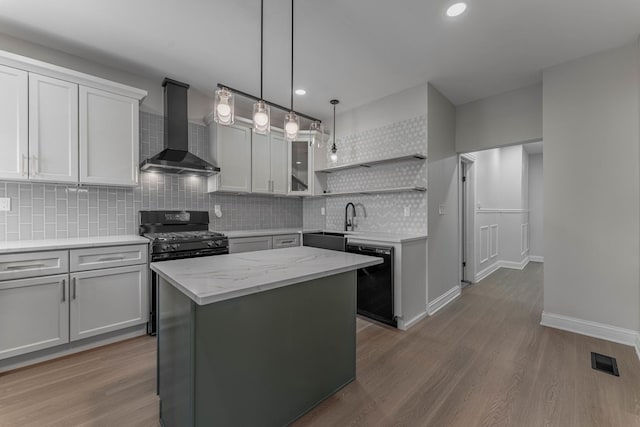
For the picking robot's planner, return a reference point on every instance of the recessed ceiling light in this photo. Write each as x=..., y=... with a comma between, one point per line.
x=301, y=92
x=456, y=9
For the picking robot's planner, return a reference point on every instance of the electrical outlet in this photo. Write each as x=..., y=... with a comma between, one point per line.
x=441, y=209
x=5, y=204
x=217, y=211
x=407, y=211
x=321, y=211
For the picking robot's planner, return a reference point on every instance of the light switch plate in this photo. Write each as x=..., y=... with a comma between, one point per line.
x=5, y=204
x=321, y=211
x=441, y=209
x=407, y=211
x=216, y=211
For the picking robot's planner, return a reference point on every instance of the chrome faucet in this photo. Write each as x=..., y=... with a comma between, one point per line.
x=349, y=223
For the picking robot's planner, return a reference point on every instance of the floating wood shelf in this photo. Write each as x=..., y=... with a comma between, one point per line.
x=374, y=191
x=370, y=163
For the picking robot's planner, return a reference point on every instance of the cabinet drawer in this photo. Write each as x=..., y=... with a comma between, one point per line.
x=34, y=264
x=286, y=241
x=249, y=244
x=113, y=256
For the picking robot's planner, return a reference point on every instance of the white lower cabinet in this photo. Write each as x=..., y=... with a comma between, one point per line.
x=34, y=314
x=107, y=300
x=249, y=244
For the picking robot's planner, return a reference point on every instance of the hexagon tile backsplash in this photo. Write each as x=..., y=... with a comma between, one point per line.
x=377, y=212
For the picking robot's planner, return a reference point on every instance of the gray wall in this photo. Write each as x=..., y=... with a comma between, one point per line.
x=592, y=188
x=444, y=241
x=42, y=211
x=513, y=117
x=536, y=205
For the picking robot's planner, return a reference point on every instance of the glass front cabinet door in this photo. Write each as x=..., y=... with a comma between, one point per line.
x=300, y=167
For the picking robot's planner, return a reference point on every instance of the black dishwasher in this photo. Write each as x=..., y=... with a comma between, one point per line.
x=375, y=284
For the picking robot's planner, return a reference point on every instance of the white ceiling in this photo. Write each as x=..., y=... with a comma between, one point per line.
x=355, y=50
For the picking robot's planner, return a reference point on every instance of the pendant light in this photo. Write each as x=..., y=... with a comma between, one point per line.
x=334, y=148
x=261, y=111
x=316, y=134
x=291, y=120
x=223, y=106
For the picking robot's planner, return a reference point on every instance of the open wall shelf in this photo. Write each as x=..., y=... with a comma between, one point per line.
x=370, y=163
x=374, y=191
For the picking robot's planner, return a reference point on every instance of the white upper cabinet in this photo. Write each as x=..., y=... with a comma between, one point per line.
x=231, y=146
x=60, y=125
x=278, y=157
x=109, y=138
x=14, y=123
x=300, y=182
x=53, y=129
x=260, y=164
x=269, y=164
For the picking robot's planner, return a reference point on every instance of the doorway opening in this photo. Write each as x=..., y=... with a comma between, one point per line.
x=500, y=219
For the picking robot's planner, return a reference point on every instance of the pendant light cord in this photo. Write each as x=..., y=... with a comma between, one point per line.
x=291, y=55
x=334, y=127
x=261, y=44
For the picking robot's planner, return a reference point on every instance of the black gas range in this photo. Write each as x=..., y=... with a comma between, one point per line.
x=177, y=235
x=181, y=234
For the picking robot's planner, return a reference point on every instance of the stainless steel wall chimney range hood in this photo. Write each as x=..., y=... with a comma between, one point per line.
x=176, y=159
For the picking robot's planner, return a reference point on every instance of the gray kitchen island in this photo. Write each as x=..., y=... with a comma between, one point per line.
x=255, y=339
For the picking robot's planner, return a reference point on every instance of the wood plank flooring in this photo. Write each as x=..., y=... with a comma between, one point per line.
x=484, y=360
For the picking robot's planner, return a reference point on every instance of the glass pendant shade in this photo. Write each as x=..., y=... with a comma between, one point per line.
x=334, y=152
x=291, y=126
x=316, y=134
x=261, y=118
x=223, y=107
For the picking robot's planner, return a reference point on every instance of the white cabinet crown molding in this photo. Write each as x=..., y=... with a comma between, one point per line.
x=40, y=67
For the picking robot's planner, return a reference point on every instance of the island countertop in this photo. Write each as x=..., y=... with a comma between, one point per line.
x=212, y=279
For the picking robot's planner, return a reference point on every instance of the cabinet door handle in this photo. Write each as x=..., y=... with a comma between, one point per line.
x=74, y=289
x=35, y=165
x=25, y=165
x=64, y=290
x=24, y=267
x=112, y=258
x=286, y=242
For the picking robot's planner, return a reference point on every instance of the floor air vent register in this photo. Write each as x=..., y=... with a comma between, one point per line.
x=603, y=363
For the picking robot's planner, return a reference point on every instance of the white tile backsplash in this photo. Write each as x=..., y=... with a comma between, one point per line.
x=381, y=212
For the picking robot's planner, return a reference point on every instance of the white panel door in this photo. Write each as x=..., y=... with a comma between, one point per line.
x=234, y=158
x=34, y=314
x=260, y=164
x=53, y=129
x=108, y=138
x=278, y=157
x=107, y=300
x=14, y=124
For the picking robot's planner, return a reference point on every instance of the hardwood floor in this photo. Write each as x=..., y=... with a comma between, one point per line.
x=484, y=360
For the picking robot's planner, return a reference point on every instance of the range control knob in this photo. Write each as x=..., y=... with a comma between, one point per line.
x=175, y=246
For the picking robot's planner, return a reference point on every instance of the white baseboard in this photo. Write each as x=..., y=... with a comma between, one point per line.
x=403, y=326
x=536, y=258
x=592, y=329
x=486, y=272
x=443, y=300
x=514, y=265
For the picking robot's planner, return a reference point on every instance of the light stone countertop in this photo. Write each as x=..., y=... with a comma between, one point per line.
x=212, y=279
x=360, y=235
x=70, y=243
x=264, y=232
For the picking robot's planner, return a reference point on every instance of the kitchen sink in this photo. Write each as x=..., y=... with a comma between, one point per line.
x=325, y=240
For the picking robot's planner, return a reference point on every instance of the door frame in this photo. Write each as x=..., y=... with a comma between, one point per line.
x=468, y=216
